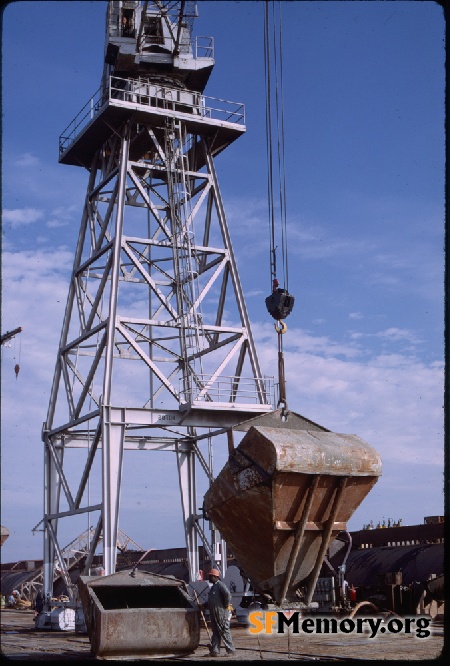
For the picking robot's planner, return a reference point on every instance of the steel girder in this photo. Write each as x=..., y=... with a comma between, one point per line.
x=153, y=317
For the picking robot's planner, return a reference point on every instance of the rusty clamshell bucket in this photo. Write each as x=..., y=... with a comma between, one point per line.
x=282, y=497
x=137, y=614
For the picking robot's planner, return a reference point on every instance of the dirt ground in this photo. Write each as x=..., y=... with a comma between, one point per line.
x=21, y=642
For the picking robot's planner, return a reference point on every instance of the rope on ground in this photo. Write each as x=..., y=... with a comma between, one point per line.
x=362, y=603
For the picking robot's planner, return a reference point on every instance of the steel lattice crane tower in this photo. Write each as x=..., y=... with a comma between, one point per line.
x=156, y=351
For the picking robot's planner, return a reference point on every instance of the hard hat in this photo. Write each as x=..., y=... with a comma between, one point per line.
x=214, y=572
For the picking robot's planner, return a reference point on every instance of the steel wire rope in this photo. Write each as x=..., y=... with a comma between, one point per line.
x=274, y=62
x=281, y=152
x=267, y=80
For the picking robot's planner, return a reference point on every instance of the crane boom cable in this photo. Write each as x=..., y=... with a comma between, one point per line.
x=275, y=106
x=280, y=302
x=277, y=119
x=269, y=149
x=282, y=167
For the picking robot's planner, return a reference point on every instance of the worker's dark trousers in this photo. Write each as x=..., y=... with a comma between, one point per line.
x=220, y=625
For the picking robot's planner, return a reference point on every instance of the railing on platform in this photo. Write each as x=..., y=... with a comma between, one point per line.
x=204, y=47
x=230, y=389
x=145, y=94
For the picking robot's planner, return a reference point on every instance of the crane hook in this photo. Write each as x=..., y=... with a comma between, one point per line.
x=283, y=327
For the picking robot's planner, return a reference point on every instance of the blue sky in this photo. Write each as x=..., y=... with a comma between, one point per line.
x=364, y=113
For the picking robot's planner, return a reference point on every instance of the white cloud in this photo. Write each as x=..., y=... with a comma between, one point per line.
x=254, y=292
x=43, y=182
x=390, y=336
x=396, y=334
x=27, y=160
x=393, y=401
x=34, y=269
x=18, y=217
x=56, y=224
x=302, y=341
x=65, y=212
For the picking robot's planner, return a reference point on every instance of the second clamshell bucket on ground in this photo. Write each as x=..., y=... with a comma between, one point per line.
x=282, y=497
x=139, y=615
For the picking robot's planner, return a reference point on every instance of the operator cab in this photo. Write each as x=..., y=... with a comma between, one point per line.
x=148, y=39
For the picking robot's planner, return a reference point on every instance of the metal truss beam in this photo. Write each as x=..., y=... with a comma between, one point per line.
x=156, y=351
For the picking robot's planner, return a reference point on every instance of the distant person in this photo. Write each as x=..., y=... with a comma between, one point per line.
x=38, y=604
x=126, y=31
x=345, y=589
x=219, y=604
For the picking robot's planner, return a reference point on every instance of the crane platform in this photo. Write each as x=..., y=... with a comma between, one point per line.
x=220, y=121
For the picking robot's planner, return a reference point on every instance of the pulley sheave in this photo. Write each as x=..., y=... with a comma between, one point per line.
x=280, y=304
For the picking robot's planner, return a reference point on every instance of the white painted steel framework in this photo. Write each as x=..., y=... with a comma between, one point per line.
x=156, y=351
